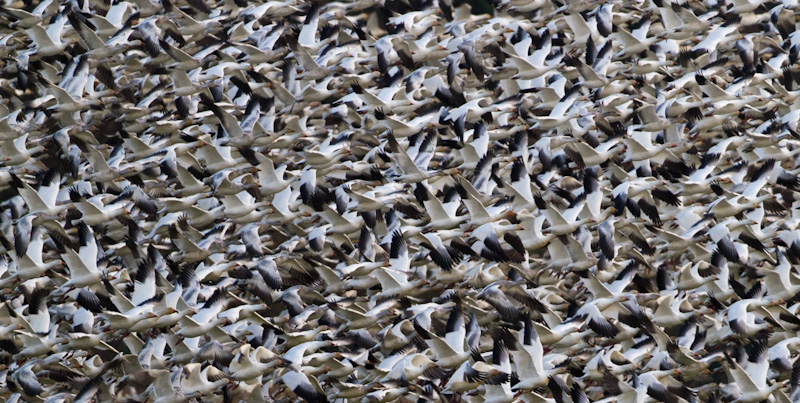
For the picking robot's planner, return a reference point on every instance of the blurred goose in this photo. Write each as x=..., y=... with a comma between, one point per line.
x=83, y=265
x=44, y=199
x=49, y=42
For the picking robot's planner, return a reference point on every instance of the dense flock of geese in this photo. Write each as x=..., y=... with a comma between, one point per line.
x=374, y=201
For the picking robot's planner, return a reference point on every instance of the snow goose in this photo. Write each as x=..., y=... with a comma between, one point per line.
x=530, y=67
x=398, y=253
x=562, y=224
x=445, y=256
x=372, y=200
x=639, y=151
x=585, y=156
x=38, y=315
x=397, y=335
x=449, y=351
x=395, y=282
x=672, y=310
x=31, y=264
x=694, y=276
x=93, y=214
x=407, y=367
x=27, y=19
x=198, y=381
x=722, y=235
x=45, y=199
x=742, y=321
x=717, y=37
x=83, y=265
x=360, y=320
x=498, y=387
x=249, y=364
x=488, y=243
x=778, y=281
x=592, y=314
x=27, y=380
x=780, y=354
x=242, y=207
x=136, y=318
x=402, y=126
x=633, y=44
x=724, y=207
x=520, y=189
x=532, y=236
x=164, y=389
x=349, y=223
x=15, y=152
x=577, y=24
x=97, y=48
x=528, y=359
x=496, y=297
x=270, y=179
x=468, y=376
x=48, y=42
x=304, y=386
x=443, y=213
x=751, y=385
x=477, y=148
x=410, y=171
x=553, y=122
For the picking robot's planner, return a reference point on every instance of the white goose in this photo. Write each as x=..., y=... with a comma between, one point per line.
x=528, y=358
x=742, y=321
x=410, y=171
x=48, y=42
x=449, y=351
x=751, y=384
x=44, y=199
x=93, y=212
x=30, y=265
x=585, y=156
x=82, y=265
